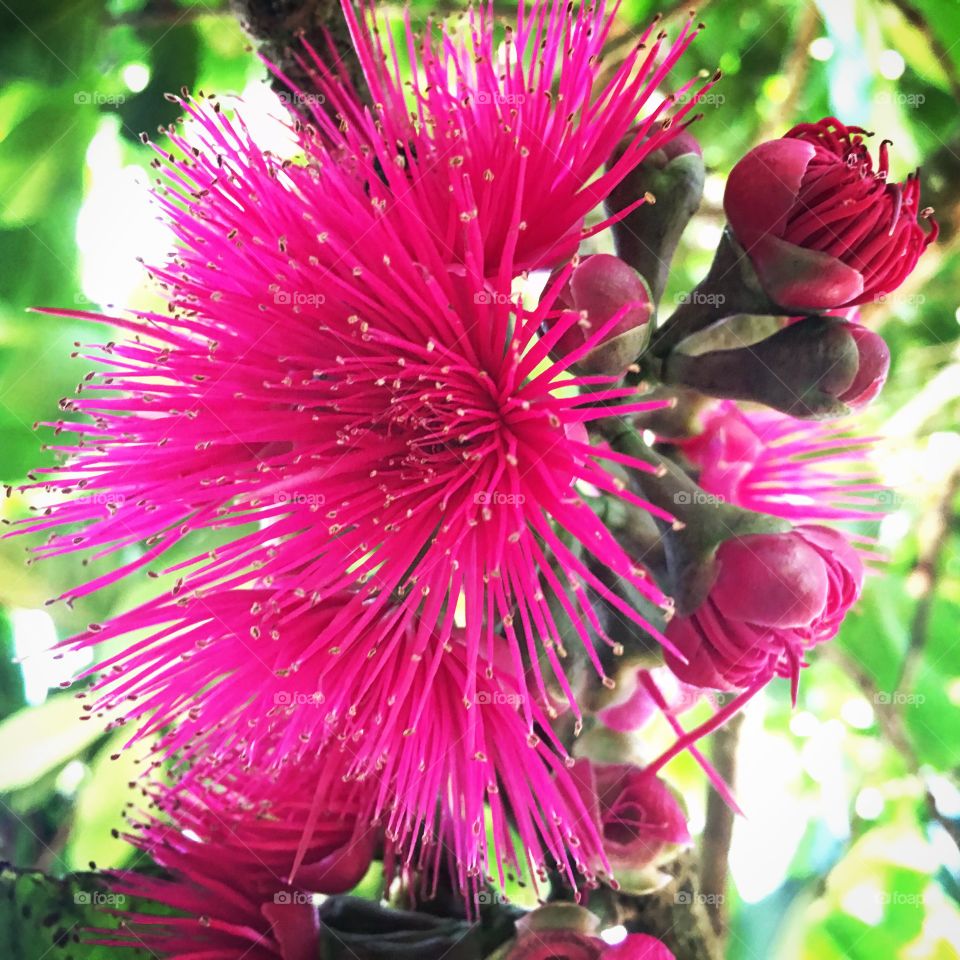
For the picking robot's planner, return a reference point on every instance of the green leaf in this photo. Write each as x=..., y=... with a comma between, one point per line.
x=875, y=632
x=931, y=711
x=877, y=894
x=98, y=817
x=942, y=18
x=41, y=158
x=45, y=917
x=35, y=740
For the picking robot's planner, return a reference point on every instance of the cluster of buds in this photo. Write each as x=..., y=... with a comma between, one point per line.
x=815, y=229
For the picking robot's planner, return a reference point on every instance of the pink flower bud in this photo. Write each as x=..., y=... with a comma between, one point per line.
x=822, y=227
x=568, y=945
x=557, y=945
x=872, y=370
x=638, y=946
x=638, y=816
x=679, y=145
x=614, y=307
x=775, y=596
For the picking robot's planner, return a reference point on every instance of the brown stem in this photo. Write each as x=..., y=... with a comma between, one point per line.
x=281, y=26
x=718, y=832
x=677, y=914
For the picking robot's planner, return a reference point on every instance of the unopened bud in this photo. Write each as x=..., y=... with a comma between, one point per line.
x=647, y=237
x=613, y=309
x=816, y=368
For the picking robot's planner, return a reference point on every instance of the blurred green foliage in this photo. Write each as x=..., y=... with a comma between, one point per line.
x=849, y=849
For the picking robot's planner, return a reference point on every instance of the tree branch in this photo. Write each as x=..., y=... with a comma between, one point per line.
x=718, y=831
x=281, y=26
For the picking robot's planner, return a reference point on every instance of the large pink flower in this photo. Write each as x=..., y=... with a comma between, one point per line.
x=775, y=596
x=823, y=228
x=445, y=737
x=355, y=417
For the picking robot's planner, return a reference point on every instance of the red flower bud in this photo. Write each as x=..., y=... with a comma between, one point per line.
x=570, y=945
x=638, y=816
x=774, y=597
x=679, y=145
x=612, y=299
x=822, y=228
x=638, y=946
x=557, y=945
x=872, y=370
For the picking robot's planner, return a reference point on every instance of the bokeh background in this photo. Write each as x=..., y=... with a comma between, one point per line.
x=849, y=847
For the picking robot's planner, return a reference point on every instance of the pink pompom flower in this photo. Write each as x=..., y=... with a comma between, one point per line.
x=353, y=416
x=386, y=694
x=230, y=851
